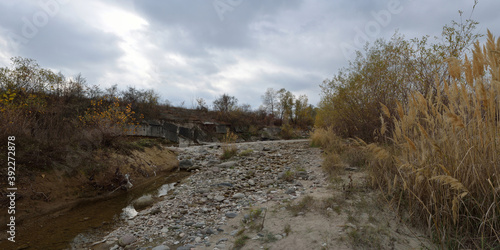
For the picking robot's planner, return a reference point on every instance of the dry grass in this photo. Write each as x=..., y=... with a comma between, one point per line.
x=328, y=140
x=338, y=153
x=445, y=164
x=333, y=146
x=229, y=148
x=240, y=242
x=306, y=204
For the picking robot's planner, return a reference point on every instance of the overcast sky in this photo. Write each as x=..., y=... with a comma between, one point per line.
x=186, y=49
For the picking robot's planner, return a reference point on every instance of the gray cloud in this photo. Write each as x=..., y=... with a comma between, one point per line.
x=65, y=43
x=184, y=50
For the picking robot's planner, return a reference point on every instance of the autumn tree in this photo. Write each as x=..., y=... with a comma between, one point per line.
x=201, y=104
x=386, y=73
x=285, y=105
x=225, y=104
x=303, y=112
x=270, y=101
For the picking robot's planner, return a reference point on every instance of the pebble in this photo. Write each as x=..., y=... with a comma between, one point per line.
x=238, y=196
x=220, y=247
x=228, y=164
x=161, y=247
x=199, y=206
x=222, y=240
x=199, y=225
x=185, y=165
x=126, y=240
x=231, y=215
x=186, y=247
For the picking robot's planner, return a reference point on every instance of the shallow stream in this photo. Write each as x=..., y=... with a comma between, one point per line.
x=87, y=221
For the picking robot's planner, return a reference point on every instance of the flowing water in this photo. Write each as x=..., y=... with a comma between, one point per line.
x=88, y=221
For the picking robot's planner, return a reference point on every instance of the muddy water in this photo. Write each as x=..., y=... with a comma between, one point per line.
x=84, y=221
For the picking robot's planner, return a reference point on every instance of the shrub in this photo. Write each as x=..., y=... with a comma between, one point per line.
x=288, y=175
x=288, y=132
x=387, y=72
x=111, y=119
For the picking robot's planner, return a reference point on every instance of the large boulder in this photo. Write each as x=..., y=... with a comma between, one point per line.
x=188, y=165
x=143, y=202
x=270, y=133
x=126, y=240
x=185, y=164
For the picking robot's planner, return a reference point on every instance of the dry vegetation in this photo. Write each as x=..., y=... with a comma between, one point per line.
x=59, y=121
x=339, y=153
x=445, y=168
x=437, y=154
x=229, y=148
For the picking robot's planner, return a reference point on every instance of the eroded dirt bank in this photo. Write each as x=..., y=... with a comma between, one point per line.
x=53, y=207
x=274, y=195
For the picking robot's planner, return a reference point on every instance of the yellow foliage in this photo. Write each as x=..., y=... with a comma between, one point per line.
x=28, y=103
x=108, y=116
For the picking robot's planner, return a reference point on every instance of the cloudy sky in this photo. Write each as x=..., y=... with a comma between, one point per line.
x=186, y=49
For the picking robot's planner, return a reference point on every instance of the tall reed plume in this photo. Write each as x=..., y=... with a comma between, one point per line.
x=446, y=164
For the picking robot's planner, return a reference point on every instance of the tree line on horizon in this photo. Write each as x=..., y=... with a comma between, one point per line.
x=278, y=106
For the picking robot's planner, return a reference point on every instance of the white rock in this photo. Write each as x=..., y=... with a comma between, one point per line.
x=238, y=196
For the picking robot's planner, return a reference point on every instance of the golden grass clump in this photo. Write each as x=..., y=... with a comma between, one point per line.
x=338, y=153
x=332, y=145
x=327, y=139
x=229, y=148
x=445, y=166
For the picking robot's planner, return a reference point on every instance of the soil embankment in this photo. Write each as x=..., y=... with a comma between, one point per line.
x=52, y=207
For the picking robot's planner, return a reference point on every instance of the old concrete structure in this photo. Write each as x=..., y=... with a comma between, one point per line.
x=185, y=133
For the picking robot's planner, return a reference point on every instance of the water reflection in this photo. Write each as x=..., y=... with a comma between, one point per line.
x=128, y=213
x=163, y=190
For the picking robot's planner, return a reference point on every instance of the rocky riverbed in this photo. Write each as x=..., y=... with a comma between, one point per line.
x=273, y=195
